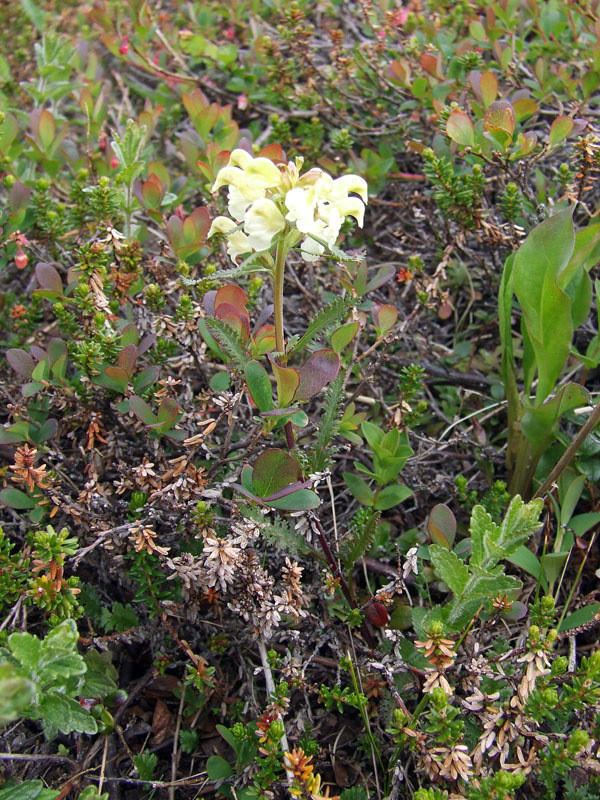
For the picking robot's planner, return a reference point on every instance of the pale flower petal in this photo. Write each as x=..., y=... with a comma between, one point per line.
x=351, y=183
x=262, y=222
x=240, y=158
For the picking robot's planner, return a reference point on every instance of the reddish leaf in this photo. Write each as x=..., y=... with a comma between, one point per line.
x=274, y=470
x=22, y=363
x=235, y=319
x=378, y=614
x=442, y=525
x=48, y=277
x=234, y=295
x=384, y=318
x=127, y=358
x=489, y=88
x=524, y=108
x=500, y=116
x=321, y=368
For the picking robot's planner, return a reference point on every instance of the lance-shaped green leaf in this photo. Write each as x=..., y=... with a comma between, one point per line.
x=538, y=424
x=259, y=386
x=537, y=266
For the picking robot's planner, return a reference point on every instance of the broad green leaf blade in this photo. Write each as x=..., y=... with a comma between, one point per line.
x=450, y=568
x=537, y=266
x=460, y=128
x=392, y=496
x=538, y=424
x=302, y=500
x=442, y=525
x=359, y=488
x=259, y=386
x=274, y=470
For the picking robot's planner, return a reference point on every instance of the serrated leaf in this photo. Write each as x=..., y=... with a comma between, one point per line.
x=28, y=790
x=450, y=568
x=66, y=714
x=229, y=341
x=328, y=316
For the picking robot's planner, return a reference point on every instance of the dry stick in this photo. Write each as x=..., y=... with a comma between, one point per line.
x=571, y=451
x=174, y=758
x=318, y=529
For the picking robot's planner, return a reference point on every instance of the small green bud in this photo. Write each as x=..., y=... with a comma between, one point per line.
x=547, y=604
x=436, y=628
x=210, y=269
x=552, y=636
x=577, y=741
x=104, y=182
x=9, y=181
x=550, y=697
x=439, y=698
x=559, y=665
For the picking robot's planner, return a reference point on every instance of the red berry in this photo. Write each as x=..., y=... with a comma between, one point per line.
x=114, y=162
x=378, y=614
x=123, y=48
x=21, y=259
x=229, y=32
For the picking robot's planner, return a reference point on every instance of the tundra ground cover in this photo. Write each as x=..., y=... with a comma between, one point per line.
x=299, y=400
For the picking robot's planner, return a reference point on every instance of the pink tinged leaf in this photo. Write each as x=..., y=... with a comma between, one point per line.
x=524, y=108
x=274, y=470
x=235, y=319
x=22, y=363
x=18, y=197
x=432, y=64
x=119, y=376
x=579, y=125
x=158, y=170
x=167, y=411
x=127, y=358
x=321, y=368
x=272, y=151
x=489, y=88
x=287, y=380
x=460, y=128
x=142, y=410
x=209, y=302
x=384, y=318
x=399, y=71
x=45, y=129
x=194, y=102
x=48, y=277
x=264, y=340
x=560, y=129
x=175, y=232
x=234, y=296
x=474, y=78
x=129, y=334
x=442, y=526
x=500, y=116
x=201, y=219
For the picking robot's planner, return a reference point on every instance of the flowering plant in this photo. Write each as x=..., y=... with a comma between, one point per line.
x=273, y=205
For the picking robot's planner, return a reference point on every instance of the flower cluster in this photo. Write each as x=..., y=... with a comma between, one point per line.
x=266, y=200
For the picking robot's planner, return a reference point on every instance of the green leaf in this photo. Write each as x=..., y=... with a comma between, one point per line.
x=274, y=470
x=442, y=526
x=142, y=410
x=66, y=714
x=28, y=790
x=372, y=433
x=302, y=500
x=580, y=617
x=560, y=129
x=342, y=337
x=360, y=489
x=287, y=380
x=450, y=568
x=538, y=424
x=229, y=340
x=16, y=693
x=460, y=128
x=259, y=386
x=537, y=266
x=392, y=496
x=493, y=542
x=15, y=498
x=331, y=314
x=553, y=564
x=529, y=562
x=220, y=381
x=217, y=768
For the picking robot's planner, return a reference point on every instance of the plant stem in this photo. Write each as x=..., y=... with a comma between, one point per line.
x=278, y=276
x=333, y=566
x=571, y=451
